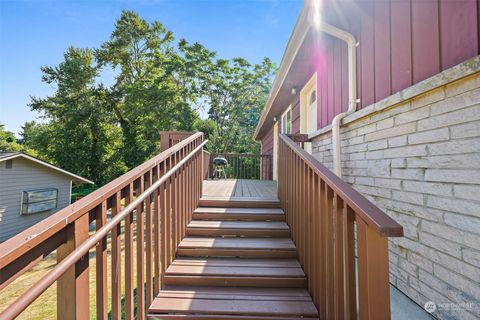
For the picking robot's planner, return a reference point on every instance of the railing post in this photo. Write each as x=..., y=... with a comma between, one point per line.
x=164, y=140
x=73, y=285
x=373, y=284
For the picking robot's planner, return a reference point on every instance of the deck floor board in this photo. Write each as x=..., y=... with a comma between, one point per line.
x=240, y=188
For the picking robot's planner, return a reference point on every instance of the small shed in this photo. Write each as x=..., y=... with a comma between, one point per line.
x=30, y=191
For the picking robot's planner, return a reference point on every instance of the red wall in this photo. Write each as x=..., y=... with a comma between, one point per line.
x=401, y=42
x=267, y=143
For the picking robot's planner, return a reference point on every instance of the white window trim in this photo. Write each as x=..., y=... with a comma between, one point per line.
x=304, y=100
x=275, y=150
x=284, y=114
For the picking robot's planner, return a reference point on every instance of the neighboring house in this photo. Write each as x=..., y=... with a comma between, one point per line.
x=31, y=190
x=410, y=143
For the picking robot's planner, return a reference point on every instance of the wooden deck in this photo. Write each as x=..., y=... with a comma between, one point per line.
x=237, y=260
x=240, y=188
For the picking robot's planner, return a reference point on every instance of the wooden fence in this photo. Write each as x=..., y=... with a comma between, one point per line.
x=336, y=231
x=156, y=198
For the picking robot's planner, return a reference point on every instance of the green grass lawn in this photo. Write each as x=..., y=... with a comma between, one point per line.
x=45, y=306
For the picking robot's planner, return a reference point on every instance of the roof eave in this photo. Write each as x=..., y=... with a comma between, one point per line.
x=302, y=26
x=74, y=177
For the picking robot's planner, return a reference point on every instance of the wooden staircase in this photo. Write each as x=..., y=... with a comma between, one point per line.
x=237, y=261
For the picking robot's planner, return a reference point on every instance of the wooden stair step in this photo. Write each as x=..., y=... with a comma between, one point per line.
x=239, y=202
x=238, y=228
x=237, y=247
x=227, y=262
x=243, y=214
x=236, y=272
x=175, y=302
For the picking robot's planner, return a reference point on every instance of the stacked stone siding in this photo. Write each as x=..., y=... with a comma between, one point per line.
x=419, y=161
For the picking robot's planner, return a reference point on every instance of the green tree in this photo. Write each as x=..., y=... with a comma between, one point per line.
x=145, y=97
x=8, y=142
x=79, y=135
x=160, y=84
x=236, y=92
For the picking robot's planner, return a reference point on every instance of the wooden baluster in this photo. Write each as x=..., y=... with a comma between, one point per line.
x=101, y=263
x=292, y=195
x=317, y=219
x=116, y=262
x=179, y=204
x=373, y=285
x=73, y=285
x=323, y=249
x=173, y=216
x=157, y=227
x=148, y=240
x=140, y=252
x=329, y=252
x=210, y=165
x=295, y=197
x=182, y=201
x=188, y=196
x=167, y=218
x=288, y=185
x=301, y=211
x=129, y=256
x=338, y=263
x=185, y=192
x=185, y=197
x=310, y=234
x=237, y=171
x=349, y=258
x=304, y=213
x=191, y=189
x=261, y=165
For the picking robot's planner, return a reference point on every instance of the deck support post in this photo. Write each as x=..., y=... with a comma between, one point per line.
x=373, y=280
x=73, y=286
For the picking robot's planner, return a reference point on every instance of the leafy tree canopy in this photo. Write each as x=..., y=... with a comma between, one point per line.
x=100, y=131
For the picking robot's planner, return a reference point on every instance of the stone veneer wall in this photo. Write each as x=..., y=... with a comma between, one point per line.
x=417, y=157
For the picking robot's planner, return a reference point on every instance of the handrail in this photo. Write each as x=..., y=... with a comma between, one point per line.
x=14, y=247
x=38, y=288
x=167, y=189
x=341, y=237
x=373, y=216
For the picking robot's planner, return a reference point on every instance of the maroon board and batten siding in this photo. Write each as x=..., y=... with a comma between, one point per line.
x=267, y=143
x=401, y=43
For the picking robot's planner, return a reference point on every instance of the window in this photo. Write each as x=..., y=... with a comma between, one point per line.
x=313, y=96
x=39, y=200
x=287, y=121
x=9, y=164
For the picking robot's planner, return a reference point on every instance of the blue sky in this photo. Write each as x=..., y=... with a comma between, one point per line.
x=37, y=32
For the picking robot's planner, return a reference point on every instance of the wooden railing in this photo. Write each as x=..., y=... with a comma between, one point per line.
x=245, y=166
x=341, y=237
x=141, y=216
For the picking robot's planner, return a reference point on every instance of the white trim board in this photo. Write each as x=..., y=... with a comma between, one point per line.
x=48, y=165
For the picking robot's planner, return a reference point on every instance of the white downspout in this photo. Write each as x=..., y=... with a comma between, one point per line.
x=352, y=90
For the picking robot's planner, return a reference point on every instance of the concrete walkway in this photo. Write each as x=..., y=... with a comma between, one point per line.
x=403, y=308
